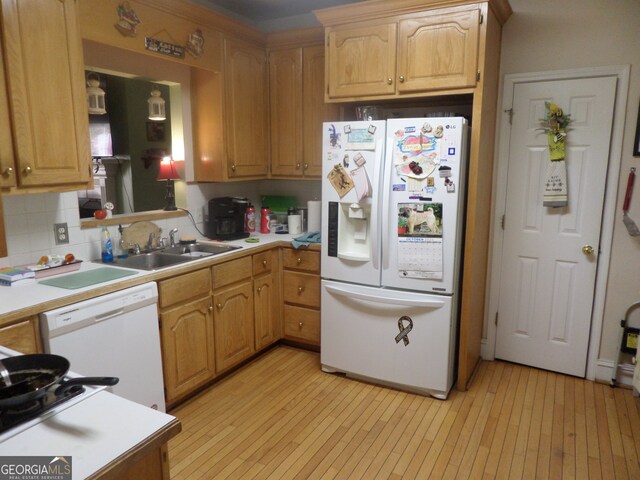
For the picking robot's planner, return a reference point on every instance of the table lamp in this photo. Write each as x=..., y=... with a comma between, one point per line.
x=169, y=173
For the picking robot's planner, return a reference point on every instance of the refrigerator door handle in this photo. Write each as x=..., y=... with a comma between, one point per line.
x=388, y=300
x=385, y=176
x=375, y=207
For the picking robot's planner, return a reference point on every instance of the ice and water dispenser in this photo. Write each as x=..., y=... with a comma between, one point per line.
x=348, y=232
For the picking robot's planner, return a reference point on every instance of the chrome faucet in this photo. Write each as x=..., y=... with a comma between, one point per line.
x=150, y=241
x=172, y=238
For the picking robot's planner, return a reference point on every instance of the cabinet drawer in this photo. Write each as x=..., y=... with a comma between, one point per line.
x=231, y=272
x=184, y=287
x=301, y=260
x=302, y=324
x=301, y=288
x=23, y=336
x=262, y=262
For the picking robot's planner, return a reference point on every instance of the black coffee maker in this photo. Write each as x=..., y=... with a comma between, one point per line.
x=226, y=218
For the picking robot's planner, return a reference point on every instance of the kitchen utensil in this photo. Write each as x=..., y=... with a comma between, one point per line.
x=32, y=375
x=632, y=228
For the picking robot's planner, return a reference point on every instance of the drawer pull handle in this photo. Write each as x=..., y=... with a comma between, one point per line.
x=300, y=290
x=299, y=260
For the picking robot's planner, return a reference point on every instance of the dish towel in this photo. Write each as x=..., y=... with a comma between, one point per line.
x=306, y=239
x=555, y=188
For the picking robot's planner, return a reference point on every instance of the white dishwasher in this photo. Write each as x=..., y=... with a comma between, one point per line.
x=112, y=335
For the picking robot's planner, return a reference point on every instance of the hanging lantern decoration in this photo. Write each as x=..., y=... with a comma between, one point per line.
x=95, y=95
x=156, y=105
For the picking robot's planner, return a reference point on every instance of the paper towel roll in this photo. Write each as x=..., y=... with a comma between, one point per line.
x=295, y=224
x=314, y=209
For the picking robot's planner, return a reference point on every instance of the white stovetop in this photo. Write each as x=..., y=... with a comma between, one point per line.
x=29, y=293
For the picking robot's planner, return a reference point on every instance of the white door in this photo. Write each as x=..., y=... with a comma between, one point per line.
x=548, y=275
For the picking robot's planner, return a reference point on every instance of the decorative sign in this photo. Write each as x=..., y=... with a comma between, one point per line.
x=158, y=46
x=195, y=43
x=128, y=20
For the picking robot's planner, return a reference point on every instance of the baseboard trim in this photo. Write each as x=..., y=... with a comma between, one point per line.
x=604, y=373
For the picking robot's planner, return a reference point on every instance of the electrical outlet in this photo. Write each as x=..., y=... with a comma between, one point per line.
x=61, y=233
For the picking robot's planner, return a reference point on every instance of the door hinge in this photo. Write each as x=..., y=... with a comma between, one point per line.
x=478, y=76
x=502, y=222
x=496, y=320
x=510, y=112
x=481, y=19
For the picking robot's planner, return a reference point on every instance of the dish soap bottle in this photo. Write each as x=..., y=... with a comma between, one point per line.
x=107, y=248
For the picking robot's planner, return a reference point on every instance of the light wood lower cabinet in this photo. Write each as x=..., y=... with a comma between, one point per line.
x=301, y=294
x=266, y=311
x=233, y=322
x=22, y=336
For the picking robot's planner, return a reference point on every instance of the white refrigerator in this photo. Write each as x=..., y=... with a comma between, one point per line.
x=392, y=224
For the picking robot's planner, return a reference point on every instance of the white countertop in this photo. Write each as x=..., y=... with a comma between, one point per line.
x=93, y=432
x=29, y=293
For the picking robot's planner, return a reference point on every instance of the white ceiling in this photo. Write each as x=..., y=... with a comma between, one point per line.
x=257, y=11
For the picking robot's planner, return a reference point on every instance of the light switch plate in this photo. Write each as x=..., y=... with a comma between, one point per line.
x=61, y=233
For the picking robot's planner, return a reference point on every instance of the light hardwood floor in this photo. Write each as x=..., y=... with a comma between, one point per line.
x=281, y=417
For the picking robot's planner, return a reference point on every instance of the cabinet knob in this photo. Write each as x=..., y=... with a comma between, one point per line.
x=7, y=172
x=305, y=166
x=259, y=289
x=297, y=165
x=264, y=263
x=299, y=260
x=389, y=81
x=27, y=169
x=401, y=78
x=300, y=290
x=211, y=308
x=233, y=167
x=300, y=324
x=219, y=306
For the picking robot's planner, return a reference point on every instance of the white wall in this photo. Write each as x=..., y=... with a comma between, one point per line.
x=545, y=35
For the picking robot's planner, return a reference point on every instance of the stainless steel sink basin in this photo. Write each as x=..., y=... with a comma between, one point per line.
x=199, y=249
x=151, y=261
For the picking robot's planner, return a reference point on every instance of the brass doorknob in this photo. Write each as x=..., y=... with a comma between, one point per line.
x=587, y=250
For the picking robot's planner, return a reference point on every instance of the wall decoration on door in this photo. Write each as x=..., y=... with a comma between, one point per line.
x=360, y=138
x=128, y=20
x=404, y=329
x=416, y=154
x=340, y=180
x=555, y=126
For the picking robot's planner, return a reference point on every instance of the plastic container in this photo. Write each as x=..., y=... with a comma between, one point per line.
x=250, y=219
x=107, y=247
x=265, y=219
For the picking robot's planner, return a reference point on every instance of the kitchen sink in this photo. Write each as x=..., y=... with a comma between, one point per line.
x=151, y=261
x=199, y=249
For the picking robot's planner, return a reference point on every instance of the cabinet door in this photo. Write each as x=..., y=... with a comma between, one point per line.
x=47, y=95
x=7, y=165
x=267, y=330
x=285, y=90
x=315, y=110
x=362, y=61
x=187, y=347
x=438, y=51
x=233, y=321
x=23, y=336
x=245, y=109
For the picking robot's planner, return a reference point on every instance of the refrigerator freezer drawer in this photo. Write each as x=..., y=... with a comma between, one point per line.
x=400, y=338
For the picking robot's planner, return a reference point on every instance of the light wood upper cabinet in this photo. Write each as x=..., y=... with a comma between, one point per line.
x=435, y=50
x=44, y=72
x=438, y=51
x=361, y=60
x=246, y=107
x=296, y=86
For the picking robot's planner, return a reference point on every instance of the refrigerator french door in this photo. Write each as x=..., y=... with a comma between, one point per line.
x=390, y=315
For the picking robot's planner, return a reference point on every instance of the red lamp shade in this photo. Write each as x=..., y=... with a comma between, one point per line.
x=168, y=170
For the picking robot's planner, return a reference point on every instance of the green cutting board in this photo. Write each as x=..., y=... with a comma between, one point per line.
x=90, y=277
